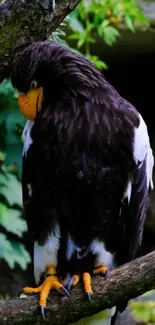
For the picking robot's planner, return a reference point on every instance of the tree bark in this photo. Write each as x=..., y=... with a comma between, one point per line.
x=124, y=283
x=26, y=21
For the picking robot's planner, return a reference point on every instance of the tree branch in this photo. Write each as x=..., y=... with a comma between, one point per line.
x=124, y=283
x=26, y=21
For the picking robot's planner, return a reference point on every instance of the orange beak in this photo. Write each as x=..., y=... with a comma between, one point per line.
x=31, y=103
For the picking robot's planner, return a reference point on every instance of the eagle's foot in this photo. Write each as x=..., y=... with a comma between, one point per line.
x=51, y=282
x=86, y=278
x=101, y=270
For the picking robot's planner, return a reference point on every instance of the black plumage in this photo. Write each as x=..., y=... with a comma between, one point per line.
x=82, y=159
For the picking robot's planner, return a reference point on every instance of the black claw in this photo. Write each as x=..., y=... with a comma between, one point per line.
x=19, y=293
x=66, y=292
x=43, y=312
x=71, y=281
x=89, y=296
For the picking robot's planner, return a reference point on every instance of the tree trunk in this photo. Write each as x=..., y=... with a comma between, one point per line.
x=26, y=21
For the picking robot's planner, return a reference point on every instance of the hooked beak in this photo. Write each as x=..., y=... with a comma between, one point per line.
x=31, y=103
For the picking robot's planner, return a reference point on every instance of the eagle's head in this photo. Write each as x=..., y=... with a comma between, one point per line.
x=33, y=75
x=46, y=70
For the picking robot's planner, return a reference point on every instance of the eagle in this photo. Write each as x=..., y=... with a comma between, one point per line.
x=86, y=169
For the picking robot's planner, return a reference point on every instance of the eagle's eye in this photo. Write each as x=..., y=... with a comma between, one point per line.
x=34, y=84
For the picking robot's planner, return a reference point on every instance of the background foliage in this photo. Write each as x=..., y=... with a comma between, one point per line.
x=104, y=19
x=90, y=21
x=11, y=221
x=12, y=225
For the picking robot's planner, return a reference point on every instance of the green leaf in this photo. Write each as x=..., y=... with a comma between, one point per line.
x=130, y=23
x=76, y=24
x=5, y=246
x=109, y=34
x=95, y=60
x=11, y=220
x=20, y=255
x=10, y=117
x=148, y=293
x=99, y=18
x=13, y=252
x=143, y=310
x=12, y=192
x=3, y=179
x=6, y=89
x=2, y=156
x=105, y=23
x=75, y=36
x=80, y=42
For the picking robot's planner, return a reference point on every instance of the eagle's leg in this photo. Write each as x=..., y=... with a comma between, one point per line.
x=51, y=282
x=86, y=277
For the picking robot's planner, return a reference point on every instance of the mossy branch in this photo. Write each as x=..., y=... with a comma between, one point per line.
x=124, y=283
x=26, y=21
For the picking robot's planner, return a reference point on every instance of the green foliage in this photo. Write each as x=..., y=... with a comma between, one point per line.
x=98, y=19
x=11, y=221
x=94, y=19
x=13, y=252
x=143, y=311
x=12, y=224
x=11, y=124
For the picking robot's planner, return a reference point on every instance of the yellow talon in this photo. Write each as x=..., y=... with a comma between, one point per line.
x=100, y=270
x=29, y=290
x=77, y=279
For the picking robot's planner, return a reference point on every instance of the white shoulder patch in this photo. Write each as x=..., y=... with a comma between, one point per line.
x=46, y=254
x=27, y=136
x=143, y=150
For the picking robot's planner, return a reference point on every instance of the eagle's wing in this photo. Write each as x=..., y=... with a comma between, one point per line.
x=135, y=202
x=136, y=198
